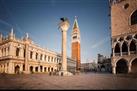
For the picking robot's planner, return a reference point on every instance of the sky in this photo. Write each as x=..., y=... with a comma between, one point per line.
x=40, y=19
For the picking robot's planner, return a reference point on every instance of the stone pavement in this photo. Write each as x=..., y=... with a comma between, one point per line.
x=89, y=81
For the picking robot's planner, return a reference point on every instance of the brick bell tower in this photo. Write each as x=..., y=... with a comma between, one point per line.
x=75, y=44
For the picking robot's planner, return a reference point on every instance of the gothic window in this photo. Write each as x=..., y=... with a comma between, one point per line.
x=134, y=18
x=124, y=47
x=17, y=51
x=132, y=46
x=117, y=48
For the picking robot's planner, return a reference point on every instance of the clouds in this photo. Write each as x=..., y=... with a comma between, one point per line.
x=101, y=42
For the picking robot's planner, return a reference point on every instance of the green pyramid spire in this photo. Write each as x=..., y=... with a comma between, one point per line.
x=75, y=23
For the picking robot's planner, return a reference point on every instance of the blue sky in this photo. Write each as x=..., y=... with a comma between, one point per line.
x=40, y=19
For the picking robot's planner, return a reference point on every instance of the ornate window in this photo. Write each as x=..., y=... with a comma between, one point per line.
x=31, y=53
x=134, y=18
x=17, y=52
x=36, y=56
x=41, y=57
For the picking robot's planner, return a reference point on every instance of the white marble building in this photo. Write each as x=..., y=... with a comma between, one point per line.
x=23, y=56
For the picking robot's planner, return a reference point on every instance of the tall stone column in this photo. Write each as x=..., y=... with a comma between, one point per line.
x=64, y=25
x=64, y=57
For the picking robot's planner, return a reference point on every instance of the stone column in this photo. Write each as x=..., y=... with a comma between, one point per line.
x=114, y=69
x=6, y=51
x=128, y=49
x=120, y=50
x=12, y=50
x=10, y=68
x=129, y=68
x=21, y=52
x=136, y=48
x=34, y=55
x=64, y=25
x=34, y=69
x=43, y=68
x=64, y=57
x=113, y=52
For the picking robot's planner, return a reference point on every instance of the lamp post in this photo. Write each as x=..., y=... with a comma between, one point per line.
x=64, y=26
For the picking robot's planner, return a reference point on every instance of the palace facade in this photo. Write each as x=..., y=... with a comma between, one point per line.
x=23, y=56
x=124, y=36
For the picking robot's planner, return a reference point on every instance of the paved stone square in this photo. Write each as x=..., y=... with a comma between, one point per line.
x=86, y=81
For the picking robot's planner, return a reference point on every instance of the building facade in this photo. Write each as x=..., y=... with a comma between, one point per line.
x=23, y=56
x=104, y=63
x=89, y=67
x=75, y=44
x=124, y=36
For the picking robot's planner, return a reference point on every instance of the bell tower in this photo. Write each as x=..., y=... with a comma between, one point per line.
x=75, y=44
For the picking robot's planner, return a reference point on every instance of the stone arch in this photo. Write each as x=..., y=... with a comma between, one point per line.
x=17, y=69
x=134, y=65
x=134, y=18
x=52, y=69
x=45, y=69
x=124, y=48
x=117, y=48
x=31, y=69
x=132, y=46
x=36, y=69
x=122, y=66
x=48, y=69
